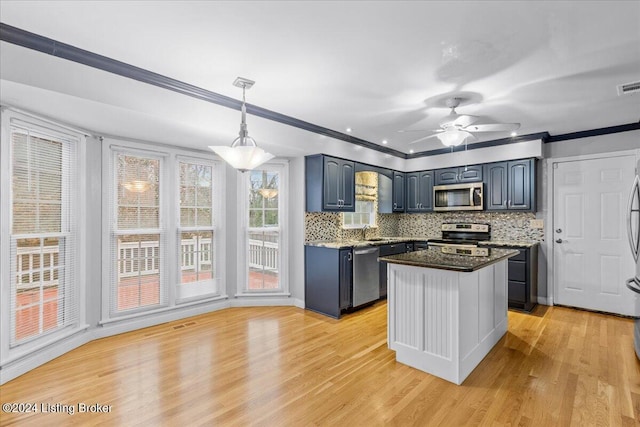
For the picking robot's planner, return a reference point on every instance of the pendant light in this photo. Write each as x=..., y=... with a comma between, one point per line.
x=243, y=154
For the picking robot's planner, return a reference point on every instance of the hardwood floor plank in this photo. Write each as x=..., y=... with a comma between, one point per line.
x=283, y=366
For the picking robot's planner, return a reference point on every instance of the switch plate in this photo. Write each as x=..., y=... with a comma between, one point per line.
x=536, y=223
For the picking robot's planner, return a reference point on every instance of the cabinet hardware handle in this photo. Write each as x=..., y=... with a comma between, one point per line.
x=349, y=256
x=395, y=206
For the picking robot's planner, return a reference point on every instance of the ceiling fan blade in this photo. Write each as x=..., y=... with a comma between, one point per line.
x=423, y=138
x=493, y=127
x=465, y=120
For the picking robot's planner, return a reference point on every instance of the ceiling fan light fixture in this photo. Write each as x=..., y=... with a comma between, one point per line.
x=453, y=137
x=243, y=154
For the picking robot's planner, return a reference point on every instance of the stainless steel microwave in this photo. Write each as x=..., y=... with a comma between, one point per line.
x=458, y=197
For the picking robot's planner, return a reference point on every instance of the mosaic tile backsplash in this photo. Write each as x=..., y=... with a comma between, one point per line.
x=512, y=226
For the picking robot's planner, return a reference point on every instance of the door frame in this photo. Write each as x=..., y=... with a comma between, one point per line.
x=549, y=209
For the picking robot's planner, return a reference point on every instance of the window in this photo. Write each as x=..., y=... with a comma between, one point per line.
x=197, y=234
x=42, y=243
x=264, y=190
x=165, y=225
x=365, y=214
x=136, y=236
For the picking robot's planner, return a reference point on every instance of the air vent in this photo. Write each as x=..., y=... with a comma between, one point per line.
x=628, y=88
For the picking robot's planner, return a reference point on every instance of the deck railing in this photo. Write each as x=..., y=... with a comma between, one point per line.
x=263, y=255
x=138, y=259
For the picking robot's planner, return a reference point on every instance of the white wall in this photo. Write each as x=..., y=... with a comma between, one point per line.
x=596, y=144
x=296, y=230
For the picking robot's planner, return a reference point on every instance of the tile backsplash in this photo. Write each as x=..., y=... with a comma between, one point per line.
x=513, y=226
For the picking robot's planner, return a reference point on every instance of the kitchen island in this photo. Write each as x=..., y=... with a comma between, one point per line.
x=446, y=311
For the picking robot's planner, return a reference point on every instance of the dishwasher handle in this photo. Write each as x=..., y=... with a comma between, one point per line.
x=365, y=251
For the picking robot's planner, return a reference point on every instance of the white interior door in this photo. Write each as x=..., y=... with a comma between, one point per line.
x=591, y=258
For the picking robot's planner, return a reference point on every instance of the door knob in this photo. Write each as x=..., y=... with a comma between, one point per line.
x=559, y=230
x=558, y=240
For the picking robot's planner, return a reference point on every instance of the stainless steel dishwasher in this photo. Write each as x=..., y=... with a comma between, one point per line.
x=366, y=275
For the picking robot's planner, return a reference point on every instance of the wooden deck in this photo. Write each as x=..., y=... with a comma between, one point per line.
x=283, y=366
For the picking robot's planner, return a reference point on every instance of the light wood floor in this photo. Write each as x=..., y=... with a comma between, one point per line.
x=283, y=366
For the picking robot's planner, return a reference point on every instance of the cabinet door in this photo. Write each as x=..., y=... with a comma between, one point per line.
x=495, y=179
x=348, y=186
x=446, y=176
x=425, y=191
x=398, y=191
x=345, y=278
x=338, y=185
x=331, y=184
x=412, y=192
x=519, y=183
x=470, y=173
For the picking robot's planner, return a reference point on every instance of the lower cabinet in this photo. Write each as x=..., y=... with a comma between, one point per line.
x=328, y=280
x=523, y=279
x=393, y=249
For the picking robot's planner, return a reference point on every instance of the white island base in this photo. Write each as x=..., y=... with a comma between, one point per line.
x=445, y=322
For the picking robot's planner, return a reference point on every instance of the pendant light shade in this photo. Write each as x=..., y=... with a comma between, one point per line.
x=243, y=154
x=453, y=137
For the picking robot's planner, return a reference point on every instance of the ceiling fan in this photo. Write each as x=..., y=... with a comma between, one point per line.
x=457, y=128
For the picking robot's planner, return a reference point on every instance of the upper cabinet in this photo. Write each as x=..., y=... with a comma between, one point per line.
x=398, y=191
x=510, y=185
x=330, y=184
x=419, y=191
x=458, y=175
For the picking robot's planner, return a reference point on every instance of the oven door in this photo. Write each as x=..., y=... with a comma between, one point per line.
x=458, y=197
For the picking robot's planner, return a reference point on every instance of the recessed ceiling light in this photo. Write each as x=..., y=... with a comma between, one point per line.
x=348, y=129
x=384, y=141
x=514, y=133
x=410, y=151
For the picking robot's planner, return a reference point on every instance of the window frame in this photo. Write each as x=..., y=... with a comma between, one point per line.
x=72, y=221
x=201, y=286
x=372, y=216
x=114, y=231
x=282, y=167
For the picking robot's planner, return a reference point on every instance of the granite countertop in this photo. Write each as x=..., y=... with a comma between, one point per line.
x=434, y=258
x=379, y=241
x=509, y=243
x=340, y=244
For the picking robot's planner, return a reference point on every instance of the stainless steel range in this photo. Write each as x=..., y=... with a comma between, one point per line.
x=462, y=239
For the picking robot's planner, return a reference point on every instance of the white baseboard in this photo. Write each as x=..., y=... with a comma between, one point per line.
x=25, y=364
x=545, y=301
x=261, y=301
x=128, y=325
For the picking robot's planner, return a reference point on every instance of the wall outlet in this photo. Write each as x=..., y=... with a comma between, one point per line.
x=536, y=223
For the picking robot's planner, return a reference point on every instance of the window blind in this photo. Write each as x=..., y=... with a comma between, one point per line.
x=44, y=294
x=263, y=234
x=137, y=277
x=196, y=234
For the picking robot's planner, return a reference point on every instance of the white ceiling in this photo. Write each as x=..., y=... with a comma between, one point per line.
x=376, y=67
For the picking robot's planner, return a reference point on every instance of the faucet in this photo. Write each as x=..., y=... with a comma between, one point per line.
x=364, y=231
